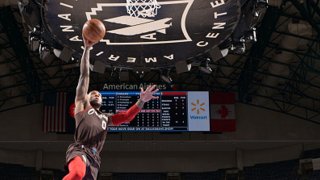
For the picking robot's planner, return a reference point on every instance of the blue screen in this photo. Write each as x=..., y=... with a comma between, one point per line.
x=174, y=111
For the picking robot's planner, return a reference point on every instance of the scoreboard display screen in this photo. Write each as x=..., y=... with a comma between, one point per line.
x=173, y=111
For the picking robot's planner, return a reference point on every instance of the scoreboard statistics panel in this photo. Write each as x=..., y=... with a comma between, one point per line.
x=180, y=111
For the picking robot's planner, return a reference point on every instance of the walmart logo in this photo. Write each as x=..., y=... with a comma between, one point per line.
x=198, y=107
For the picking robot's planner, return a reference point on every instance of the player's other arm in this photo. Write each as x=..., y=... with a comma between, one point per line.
x=81, y=99
x=127, y=116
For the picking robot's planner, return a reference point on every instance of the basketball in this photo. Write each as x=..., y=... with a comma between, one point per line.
x=93, y=30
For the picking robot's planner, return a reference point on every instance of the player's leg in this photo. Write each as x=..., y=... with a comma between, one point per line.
x=77, y=169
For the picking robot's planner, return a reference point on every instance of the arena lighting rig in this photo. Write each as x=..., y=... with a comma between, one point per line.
x=145, y=34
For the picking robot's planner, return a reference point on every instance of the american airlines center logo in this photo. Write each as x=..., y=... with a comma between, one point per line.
x=145, y=33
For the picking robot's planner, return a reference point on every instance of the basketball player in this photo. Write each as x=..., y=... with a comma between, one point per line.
x=83, y=156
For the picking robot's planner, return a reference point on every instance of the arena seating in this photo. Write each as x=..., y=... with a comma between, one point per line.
x=283, y=170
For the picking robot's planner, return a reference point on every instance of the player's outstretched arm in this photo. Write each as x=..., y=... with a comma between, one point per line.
x=129, y=115
x=83, y=83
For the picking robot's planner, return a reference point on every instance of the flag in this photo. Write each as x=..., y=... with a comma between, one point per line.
x=56, y=115
x=222, y=110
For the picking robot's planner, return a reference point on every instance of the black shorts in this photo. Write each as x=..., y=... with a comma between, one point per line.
x=92, y=165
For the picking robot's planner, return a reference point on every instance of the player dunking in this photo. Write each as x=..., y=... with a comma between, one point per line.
x=83, y=156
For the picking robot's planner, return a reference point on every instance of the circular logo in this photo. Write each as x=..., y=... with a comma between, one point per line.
x=144, y=33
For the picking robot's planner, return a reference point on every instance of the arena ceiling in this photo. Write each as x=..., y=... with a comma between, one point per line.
x=279, y=72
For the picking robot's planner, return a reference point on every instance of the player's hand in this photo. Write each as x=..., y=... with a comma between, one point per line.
x=148, y=94
x=87, y=43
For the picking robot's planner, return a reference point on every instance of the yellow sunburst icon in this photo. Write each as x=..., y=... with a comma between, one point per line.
x=197, y=106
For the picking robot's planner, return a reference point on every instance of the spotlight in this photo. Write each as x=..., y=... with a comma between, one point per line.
x=225, y=52
x=217, y=54
x=45, y=54
x=252, y=35
x=166, y=77
x=140, y=73
x=56, y=52
x=44, y=51
x=34, y=43
x=206, y=68
x=238, y=48
x=66, y=54
x=34, y=38
x=245, y=32
x=182, y=66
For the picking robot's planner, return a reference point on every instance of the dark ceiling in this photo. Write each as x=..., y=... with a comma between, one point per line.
x=279, y=72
